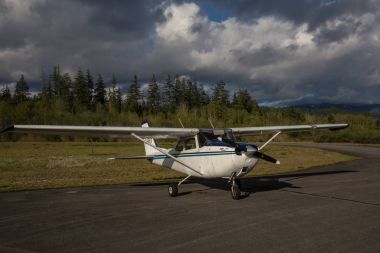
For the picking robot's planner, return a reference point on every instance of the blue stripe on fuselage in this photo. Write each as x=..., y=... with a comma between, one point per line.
x=194, y=155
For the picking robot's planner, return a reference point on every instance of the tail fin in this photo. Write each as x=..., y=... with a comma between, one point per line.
x=148, y=149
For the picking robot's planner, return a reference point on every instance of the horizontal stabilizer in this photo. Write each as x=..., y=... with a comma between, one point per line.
x=130, y=157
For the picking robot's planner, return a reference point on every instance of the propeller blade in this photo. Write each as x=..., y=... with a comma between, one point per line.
x=266, y=157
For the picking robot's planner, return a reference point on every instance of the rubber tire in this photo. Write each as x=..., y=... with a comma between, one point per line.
x=173, y=190
x=235, y=191
x=238, y=182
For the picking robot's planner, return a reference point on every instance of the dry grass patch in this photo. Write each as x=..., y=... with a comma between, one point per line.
x=40, y=165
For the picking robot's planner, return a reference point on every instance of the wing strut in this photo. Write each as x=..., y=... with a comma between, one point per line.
x=271, y=139
x=166, y=153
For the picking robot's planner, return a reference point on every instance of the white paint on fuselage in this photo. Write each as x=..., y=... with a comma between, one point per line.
x=211, y=161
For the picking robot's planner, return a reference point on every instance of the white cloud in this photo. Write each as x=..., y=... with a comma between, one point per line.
x=180, y=22
x=275, y=52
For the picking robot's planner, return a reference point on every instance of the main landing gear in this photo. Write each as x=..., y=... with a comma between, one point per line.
x=173, y=187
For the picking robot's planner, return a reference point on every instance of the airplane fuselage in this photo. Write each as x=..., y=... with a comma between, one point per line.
x=211, y=161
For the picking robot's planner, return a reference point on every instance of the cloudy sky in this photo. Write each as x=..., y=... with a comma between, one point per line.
x=312, y=50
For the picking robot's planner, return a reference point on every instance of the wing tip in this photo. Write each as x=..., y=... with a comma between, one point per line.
x=340, y=127
x=7, y=128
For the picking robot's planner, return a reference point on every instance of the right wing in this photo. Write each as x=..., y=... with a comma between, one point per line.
x=155, y=132
x=289, y=128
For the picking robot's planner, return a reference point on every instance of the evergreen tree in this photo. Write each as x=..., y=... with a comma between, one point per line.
x=114, y=97
x=55, y=81
x=180, y=90
x=100, y=91
x=220, y=98
x=220, y=94
x=22, y=90
x=111, y=94
x=5, y=94
x=81, y=91
x=192, y=95
x=169, y=95
x=47, y=90
x=67, y=94
x=153, y=98
x=204, y=98
x=118, y=100
x=90, y=85
x=243, y=100
x=134, y=96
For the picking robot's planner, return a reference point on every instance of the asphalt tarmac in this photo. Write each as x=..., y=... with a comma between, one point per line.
x=328, y=209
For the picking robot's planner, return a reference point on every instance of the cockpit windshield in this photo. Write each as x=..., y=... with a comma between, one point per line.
x=210, y=139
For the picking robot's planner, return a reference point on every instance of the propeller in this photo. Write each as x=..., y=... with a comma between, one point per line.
x=265, y=157
x=251, y=151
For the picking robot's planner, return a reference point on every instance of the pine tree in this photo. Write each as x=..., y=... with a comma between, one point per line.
x=22, y=90
x=220, y=99
x=47, y=90
x=100, y=91
x=169, y=95
x=67, y=94
x=153, y=98
x=81, y=91
x=204, y=98
x=180, y=90
x=90, y=85
x=114, y=97
x=118, y=100
x=220, y=95
x=192, y=96
x=55, y=81
x=111, y=94
x=5, y=94
x=243, y=100
x=134, y=96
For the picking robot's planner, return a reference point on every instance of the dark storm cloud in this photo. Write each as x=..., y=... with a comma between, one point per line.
x=312, y=12
x=336, y=33
x=277, y=49
x=87, y=34
x=136, y=17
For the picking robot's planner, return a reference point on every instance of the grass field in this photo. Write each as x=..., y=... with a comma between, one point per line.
x=40, y=165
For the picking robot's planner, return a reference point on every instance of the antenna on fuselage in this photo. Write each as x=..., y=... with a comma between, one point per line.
x=180, y=122
x=212, y=125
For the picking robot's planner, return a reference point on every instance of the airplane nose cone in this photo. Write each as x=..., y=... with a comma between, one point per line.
x=250, y=151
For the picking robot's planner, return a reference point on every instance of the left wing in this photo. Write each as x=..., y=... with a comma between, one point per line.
x=155, y=132
x=290, y=128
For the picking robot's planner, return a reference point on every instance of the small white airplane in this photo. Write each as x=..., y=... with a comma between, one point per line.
x=200, y=152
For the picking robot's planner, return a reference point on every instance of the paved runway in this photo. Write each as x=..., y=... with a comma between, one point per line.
x=331, y=209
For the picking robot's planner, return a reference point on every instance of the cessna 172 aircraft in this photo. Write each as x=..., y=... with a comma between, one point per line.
x=200, y=152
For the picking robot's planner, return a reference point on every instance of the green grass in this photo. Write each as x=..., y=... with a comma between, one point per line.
x=41, y=165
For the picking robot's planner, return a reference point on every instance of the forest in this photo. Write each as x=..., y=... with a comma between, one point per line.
x=84, y=99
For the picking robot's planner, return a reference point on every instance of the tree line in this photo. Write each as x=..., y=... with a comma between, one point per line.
x=83, y=92
x=85, y=99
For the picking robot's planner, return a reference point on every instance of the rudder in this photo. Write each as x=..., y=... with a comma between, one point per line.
x=148, y=149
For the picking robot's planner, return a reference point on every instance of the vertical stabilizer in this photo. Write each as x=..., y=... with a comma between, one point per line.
x=148, y=149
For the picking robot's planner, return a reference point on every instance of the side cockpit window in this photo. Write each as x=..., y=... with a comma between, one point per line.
x=190, y=143
x=180, y=146
x=186, y=143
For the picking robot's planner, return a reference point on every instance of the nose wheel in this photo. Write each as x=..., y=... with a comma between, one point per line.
x=236, y=189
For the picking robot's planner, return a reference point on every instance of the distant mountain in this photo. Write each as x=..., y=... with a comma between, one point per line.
x=369, y=108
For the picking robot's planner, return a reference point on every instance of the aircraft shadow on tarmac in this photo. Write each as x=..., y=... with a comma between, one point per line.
x=250, y=184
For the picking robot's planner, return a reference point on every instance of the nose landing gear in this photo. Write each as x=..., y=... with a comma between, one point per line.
x=236, y=189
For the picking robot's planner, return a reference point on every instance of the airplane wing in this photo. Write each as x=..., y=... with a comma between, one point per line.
x=290, y=128
x=155, y=132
